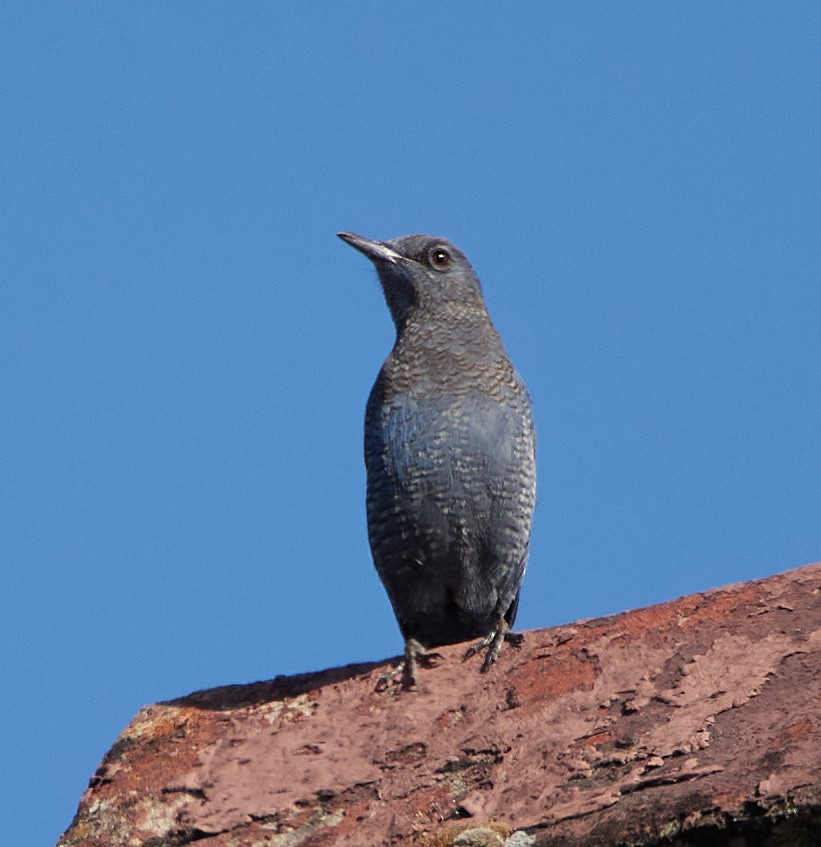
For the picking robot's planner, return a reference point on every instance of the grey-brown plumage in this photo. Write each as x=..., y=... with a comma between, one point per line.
x=449, y=451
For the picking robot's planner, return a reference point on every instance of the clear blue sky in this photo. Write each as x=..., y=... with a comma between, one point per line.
x=187, y=347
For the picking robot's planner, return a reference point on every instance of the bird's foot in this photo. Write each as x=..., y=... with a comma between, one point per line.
x=415, y=655
x=493, y=642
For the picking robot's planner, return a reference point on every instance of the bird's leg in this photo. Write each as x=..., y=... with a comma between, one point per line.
x=494, y=641
x=413, y=650
x=415, y=654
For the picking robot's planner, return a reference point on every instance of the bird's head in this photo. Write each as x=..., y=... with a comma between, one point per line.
x=422, y=273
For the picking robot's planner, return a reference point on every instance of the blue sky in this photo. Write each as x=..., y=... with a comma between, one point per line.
x=187, y=348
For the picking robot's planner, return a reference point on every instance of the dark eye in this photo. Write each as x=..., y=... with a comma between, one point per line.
x=439, y=258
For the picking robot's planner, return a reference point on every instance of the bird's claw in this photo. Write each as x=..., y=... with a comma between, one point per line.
x=415, y=655
x=493, y=642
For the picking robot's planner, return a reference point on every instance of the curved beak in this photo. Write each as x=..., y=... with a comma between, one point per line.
x=376, y=251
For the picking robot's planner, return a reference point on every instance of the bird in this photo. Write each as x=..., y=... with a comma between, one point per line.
x=450, y=455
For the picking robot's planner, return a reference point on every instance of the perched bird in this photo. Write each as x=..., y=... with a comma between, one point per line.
x=450, y=454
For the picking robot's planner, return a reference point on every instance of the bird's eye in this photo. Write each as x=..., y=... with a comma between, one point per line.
x=439, y=258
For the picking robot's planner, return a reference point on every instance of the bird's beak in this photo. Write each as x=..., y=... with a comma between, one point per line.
x=376, y=251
